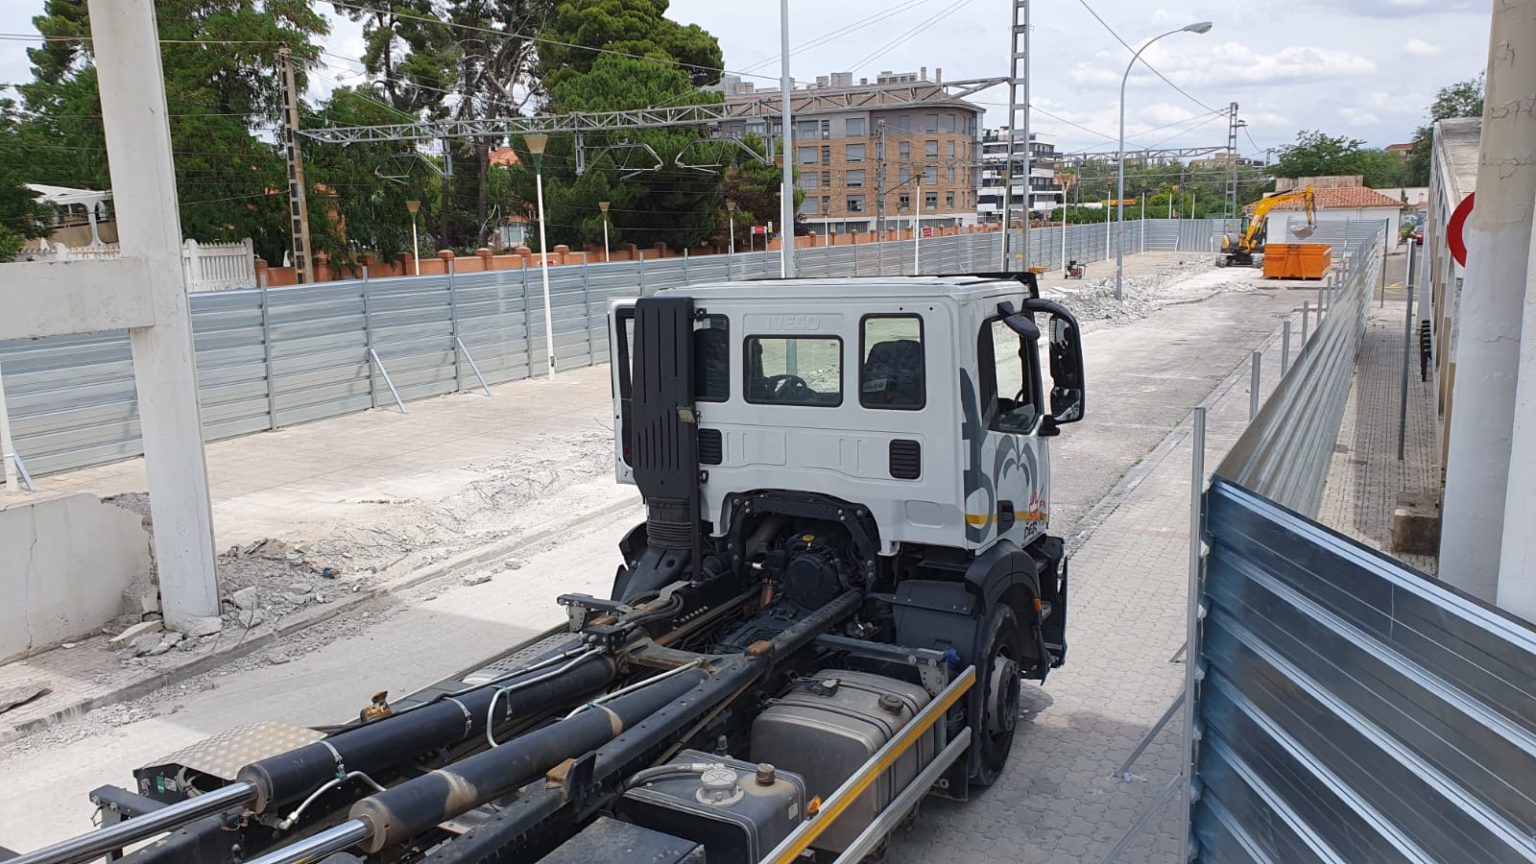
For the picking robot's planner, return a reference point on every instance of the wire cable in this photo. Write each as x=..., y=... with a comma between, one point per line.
x=909, y=34
x=1143, y=60
x=860, y=24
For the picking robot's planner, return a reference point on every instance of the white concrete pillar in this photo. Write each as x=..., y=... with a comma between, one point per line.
x=1489, y=320
x=164, y=365
x=1517, y=562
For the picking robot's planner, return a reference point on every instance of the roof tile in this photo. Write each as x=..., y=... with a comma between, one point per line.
x=1342, y=198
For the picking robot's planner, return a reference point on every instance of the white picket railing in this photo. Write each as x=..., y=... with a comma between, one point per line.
x=218, y=266
x=207, y=266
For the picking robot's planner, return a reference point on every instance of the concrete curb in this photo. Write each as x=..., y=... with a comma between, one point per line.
x=296, y=623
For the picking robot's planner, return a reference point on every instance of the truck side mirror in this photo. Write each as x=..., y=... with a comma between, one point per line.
x=1068, y=379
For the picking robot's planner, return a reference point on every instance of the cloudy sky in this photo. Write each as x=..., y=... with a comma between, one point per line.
x=1366, y=68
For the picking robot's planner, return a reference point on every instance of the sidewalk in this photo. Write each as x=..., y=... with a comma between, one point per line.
x=1365, y=476
x=1060, y=801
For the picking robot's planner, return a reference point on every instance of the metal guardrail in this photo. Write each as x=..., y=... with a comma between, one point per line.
x=1349, y=708
x=1285, y=453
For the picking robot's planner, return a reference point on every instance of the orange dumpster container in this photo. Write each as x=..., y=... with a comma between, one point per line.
x=1297, y=260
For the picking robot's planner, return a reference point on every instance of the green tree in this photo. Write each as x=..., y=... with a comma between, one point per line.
x=630, y=56
x=1316, y=154
x=1462, y=99
x=222, y=83
x=22, y=216
x=361, y=189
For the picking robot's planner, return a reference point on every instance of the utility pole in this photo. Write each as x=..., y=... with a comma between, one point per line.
x=917, y=223
x=879, y=179
x=444, y=184
x=298, y=204
x=787, y=190
x=1233, y=124
x=1489, y=448
x=1018, y=124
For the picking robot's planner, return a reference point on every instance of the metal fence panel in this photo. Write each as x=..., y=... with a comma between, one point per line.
x=1285, y=452
x=275, y=357
x=1352, y=709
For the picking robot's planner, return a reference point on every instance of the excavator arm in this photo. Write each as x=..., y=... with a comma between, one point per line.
x=1241, y=252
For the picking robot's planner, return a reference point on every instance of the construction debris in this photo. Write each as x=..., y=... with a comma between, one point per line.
x=21, y=694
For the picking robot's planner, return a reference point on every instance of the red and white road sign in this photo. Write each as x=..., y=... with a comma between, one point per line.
x=1454, y=236
x=759, y=229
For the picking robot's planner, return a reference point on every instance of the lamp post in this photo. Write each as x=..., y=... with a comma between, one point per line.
x=607, y=256
x=536, y=144
x=730, y=258
x=413, y=207
x=1197, y=27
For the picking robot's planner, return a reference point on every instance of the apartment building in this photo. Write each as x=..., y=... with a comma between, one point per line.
x=901, y=147
x=1045, y=189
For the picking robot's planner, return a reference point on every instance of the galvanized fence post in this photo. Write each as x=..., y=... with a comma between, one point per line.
x=1285, y=347
x=1193, y=619
x=855, y=253
x=373, y=387
x=1253, y=387
x=1306, y=316
x=586, y=308
x=527, y=322
x=7, y=447
x=686, y=279
x=453, y=325
x=266, y=354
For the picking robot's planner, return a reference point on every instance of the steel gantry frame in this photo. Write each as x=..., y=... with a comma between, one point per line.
x=1110, y=156
x=579, y=122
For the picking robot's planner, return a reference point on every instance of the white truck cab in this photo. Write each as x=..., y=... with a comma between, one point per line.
x=922, y=399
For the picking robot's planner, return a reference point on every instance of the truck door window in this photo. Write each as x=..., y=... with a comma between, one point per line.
x=1007, y=378
x=711, y=359
x=891, y=364
x=794, y=370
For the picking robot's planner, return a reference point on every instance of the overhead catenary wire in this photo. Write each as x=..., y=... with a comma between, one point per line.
x=851, y=27
x=910, y=34
x=1143, y=60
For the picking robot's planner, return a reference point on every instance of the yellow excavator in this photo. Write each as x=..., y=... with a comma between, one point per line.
x=1239, y=252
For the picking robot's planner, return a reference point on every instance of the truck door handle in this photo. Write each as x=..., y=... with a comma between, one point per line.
x=1005, y=516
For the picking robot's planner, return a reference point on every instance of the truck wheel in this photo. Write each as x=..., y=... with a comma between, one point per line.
x=1000, y=696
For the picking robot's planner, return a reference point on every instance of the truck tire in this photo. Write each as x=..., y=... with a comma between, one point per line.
x=1000, y=696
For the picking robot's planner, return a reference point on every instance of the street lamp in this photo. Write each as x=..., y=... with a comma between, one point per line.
x=536, y=144
x=730, y=214
x=414, y=206
x=603, y=206
x=1197, y=27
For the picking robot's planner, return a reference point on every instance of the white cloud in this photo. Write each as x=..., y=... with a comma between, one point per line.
x=1419, y=48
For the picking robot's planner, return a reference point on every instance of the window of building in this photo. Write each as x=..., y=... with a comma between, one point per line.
x=854, y=178
x=1008, y=379
x=826, y=128
x=855, y=127
x=794, y=370
x=951, y=149
x=949, y=175
x=855, y=152
x=931, y=175
x=930, y=201
x=931, y=148
x=904, y=124
x=810, y=207
x=905, y=174
x=805, y=130
x=807, y=155
x=826, y=204
x=891, y=362
x=904, y=203
x=810, y=180
x=947, y=123
x=904, y=150
x=855, y=203
x=949, y=201
x=826, y=154
x=826, y=178
x=711, y=359
x=930, y=122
